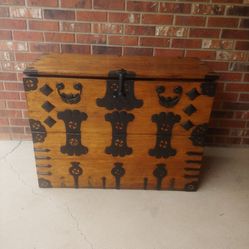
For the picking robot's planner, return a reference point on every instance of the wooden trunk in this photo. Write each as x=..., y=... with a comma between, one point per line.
x=118, y=122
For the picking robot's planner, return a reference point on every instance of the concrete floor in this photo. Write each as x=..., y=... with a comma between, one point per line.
x=215, y=217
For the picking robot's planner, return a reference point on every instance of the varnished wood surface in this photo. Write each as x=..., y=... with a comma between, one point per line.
x=97, y=164
x=95, y=123
x=85, y=66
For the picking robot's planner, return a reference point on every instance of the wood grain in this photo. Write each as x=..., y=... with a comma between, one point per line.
x=99, y=65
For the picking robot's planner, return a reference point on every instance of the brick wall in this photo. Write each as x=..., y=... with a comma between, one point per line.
x=214, y=30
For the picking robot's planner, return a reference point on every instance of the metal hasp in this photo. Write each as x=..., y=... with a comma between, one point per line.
x=120, y=91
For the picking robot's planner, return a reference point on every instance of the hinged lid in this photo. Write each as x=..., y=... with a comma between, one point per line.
x=98, y=66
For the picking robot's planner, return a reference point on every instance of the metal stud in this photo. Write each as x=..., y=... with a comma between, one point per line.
x=193, y=93
x=49, y=121
x=187, y=125
x=47, y=106
x=46, y=89
x=189, y=110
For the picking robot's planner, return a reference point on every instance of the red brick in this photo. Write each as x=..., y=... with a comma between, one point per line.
x=244, y=23
x=85, y=4
x=236, y=87
x=246, y=78
x=238, y=10
x=138, y=51
x=236, y=106
x=154, y=42
x=59, y=14
x=210, y=55
x=27, y=57
x=24, y=137
x=124, y=17
x=227, y=1
x=109, y=5
x=18, y=121
x=12, y=24
x=75, y=48
x=44, y=25
x=218, y=65
x=6, y=55
x=27, y=36
x=190, y=20
x=123, y=40
x=4, y=12
x=10, y=114
x=2, y=104
x=208, y=9
x=5, y=35
x=91, y=39
x=17, y=105
x=182, y=8
x=23, y=12
x=239, y=66
x=242, y=45
x=8, y=76
x=235, y=34
x=223, y=22
x=76, y=27
x=200, y=32
x=142, y=6
x=218, y=131
x=186, y=43
x=222, y=114
x=227, y=140
x=217, y=44
x=107, y=50
x=13, y=86
x=17, y=129
x=9, y=95
x=4, y=121
x=227, y=96
x=245, y=141
x=107, y=28
x=244, y=97
x=91, y=16
x=232, y=55
x=169, y=52
x=139, y=30
x=171, y=31
x=59, y=37
x=13, y=45
x=230, y=76
x=232, y=123
x=13, y=2
x=44, y=3
x=157, y=19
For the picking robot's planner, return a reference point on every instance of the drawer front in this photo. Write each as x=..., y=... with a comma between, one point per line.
x=140, y=163
x=88, y=100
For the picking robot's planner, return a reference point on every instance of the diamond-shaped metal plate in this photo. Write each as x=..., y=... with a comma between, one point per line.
x=189, y=110
x=193, y=93
x=47, y=106
x=49, y=121
x=46, y=89
x=187, y=125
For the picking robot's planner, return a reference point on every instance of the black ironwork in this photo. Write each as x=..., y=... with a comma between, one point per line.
x=38, y=131
x=145, y=183
x=169, y=101
x=44, y=183
x=165, y=122
x=192, y=186
x=194, y=161
x=103, y=182
x=49, y=121
x=70, y=98
x=46, y=89
x=160, y=172
x=193, y=93
x=194, y=153
x=72, y=120
x=208, y=87
x=198, y=135
x=118, y=171
x=47, y=106
x=30, y=84
x=76, y=171
x=189, y=110
x=120, y=91
x=119, y=122
x=187, y=125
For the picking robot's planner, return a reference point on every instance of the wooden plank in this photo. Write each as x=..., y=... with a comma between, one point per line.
x=93, y=66
x=95, y=123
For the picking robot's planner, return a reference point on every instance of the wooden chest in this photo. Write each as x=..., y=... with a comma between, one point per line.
x=118, y=122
